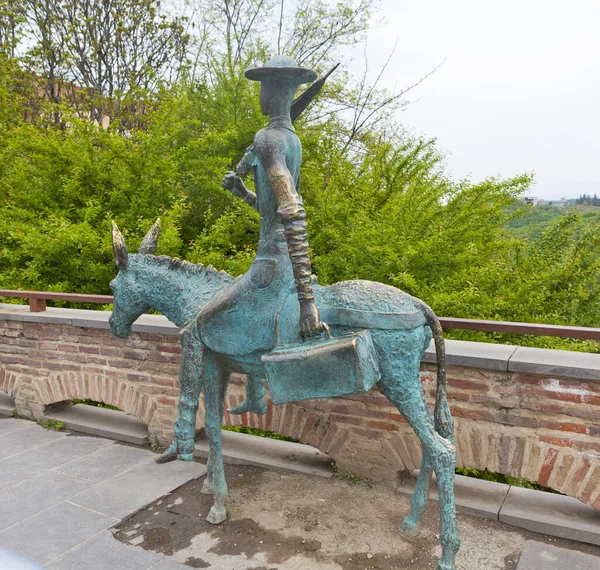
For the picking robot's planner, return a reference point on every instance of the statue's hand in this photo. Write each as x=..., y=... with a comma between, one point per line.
x=233, y=183
x=310, y=323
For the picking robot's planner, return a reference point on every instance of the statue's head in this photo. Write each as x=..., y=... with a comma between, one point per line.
x=279, y=80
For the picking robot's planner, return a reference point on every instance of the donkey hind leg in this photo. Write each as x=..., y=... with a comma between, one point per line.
x=215, y=386
x=420, y=498
x=190, y=378
x=406, y=393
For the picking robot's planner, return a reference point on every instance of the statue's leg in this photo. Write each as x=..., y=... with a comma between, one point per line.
x=215, y=386
x=401, y=384
x=190, y=378
x=256, y=397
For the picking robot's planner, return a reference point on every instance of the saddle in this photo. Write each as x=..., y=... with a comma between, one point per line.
x=333, y=366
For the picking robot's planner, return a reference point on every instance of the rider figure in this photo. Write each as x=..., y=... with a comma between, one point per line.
x=276, y=171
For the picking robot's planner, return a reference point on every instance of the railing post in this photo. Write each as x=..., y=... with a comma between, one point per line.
x=37, y=305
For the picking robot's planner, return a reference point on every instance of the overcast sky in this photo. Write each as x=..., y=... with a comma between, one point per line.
x=519, y=90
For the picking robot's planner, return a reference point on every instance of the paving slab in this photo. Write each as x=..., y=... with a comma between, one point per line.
x=107, y=553
x=539, y=556
x=473, y=496
x=110, y=460
x=22, y=439
x=54, y=531
x=27, y=498
x=130, y=491
x=245, y=449
x=102, y=422
x=24, y=465
x=8, y=425
x=547, y=513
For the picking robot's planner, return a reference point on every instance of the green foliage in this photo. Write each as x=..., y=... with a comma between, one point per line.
x=380, y=203
x=260, y=433
x=51, y=425
x=350, y=477
x=505, y=479
x=88, y=402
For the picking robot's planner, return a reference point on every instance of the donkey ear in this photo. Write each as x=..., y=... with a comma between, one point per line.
x=148, y=245
x=119, y=248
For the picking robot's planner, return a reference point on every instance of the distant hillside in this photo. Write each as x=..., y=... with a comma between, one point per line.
x=534, y=220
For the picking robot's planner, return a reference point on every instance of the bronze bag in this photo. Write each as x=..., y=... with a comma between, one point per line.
x=322, y=368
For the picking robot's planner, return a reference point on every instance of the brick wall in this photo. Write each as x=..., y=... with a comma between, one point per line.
x=542, y=427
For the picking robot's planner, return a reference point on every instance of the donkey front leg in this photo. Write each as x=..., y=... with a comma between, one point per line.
x=190, y=376
x=215, y=386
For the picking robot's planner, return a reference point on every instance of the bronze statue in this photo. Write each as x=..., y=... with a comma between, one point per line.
x=267, y=323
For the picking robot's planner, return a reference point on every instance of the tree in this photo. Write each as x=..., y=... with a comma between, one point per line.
x=103, y=56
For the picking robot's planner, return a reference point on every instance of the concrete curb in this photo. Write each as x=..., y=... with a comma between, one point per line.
x=102, y=422
x=546, y=513
x=244, y=449
x=238, y=448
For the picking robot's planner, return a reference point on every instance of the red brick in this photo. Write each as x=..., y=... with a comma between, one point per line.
x=468, y=414
x=174, y=349
x=342, y=419
x=561, y=442
x=452, y=395
x=586, y=445
x=167, y=402
x=385, y=426
x=564, y=396
x=564, y=426
x=467, y=385
x=547, y=466
x=581, y=473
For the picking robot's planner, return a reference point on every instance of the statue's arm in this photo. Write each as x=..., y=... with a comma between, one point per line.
x=292, y=215
x=233, y=183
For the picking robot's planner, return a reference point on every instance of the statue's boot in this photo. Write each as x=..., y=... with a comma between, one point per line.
x=182, y=447
x=256, y=398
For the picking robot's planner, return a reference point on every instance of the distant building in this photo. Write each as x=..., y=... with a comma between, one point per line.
x=530, y=200
x=534, y=201
x=559, y=203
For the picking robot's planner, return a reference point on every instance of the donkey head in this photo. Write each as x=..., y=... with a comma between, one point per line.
x=129, y=295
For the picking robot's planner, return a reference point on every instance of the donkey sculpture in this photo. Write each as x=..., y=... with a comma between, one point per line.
x=401, y=327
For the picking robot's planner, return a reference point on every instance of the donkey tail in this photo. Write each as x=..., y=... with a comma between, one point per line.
x=442, y=417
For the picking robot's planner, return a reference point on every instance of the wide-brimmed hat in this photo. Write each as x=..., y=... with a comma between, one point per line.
x=284, y=67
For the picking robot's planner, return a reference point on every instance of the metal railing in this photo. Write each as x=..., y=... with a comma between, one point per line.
x=37, y=304
x=37, y=299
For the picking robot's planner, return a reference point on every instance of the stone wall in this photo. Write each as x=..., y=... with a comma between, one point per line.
x=525, y=412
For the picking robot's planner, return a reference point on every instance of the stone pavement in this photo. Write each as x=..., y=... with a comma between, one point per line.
x=59, y=493
x=539, y=556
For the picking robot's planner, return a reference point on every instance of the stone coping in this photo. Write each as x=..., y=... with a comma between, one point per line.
x=487, y=356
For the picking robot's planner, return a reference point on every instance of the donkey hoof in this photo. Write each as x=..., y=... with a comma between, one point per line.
x=442, y=566
x=169, y=455
x=207, y=488
x=216, y=515
x=409, y=528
